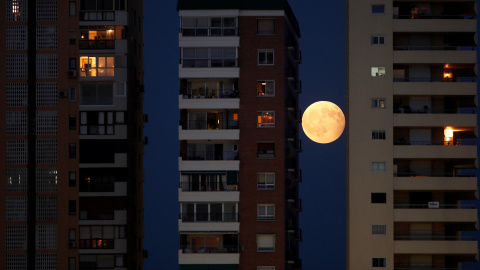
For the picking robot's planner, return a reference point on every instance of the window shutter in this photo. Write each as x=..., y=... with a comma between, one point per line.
x=266, y=242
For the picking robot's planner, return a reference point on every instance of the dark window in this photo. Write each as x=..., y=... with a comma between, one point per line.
x=72, y=150
x=73, y=41
x=72, y=179
x=96, y=94
x=73, y=94
x=266, y=26
x=101, y=151
x=379, y=197
x=379, y=262
x=73, y=64
x=73, y=8
x=72, y=207
x=72, y=122
x=378, y=9
x=266, y=150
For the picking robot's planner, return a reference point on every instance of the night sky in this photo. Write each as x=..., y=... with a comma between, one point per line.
x=322, y=26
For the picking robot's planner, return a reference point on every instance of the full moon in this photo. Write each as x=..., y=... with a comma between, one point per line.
x=323, y=122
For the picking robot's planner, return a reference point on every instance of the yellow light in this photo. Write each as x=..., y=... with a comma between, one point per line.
x=448, y=133
x=447, y=75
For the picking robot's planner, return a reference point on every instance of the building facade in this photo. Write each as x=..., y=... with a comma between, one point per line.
x=238, y=135
x=412, y=128
x=71, y=110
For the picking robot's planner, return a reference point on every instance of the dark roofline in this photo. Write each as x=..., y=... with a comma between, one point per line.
x=241, y=5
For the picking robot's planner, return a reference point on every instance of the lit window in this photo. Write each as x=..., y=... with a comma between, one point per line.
x=379, y=229
x=266, y=119
x=378, y=9
x=265, y=242
x=378, y=40
x=266, y=57
x=97, y=66
x=265, y=88
x=266, y=212
x=379, y=262
x=378, y=166
x=266, y=26
x=378, y=103
x=378, y=72
x=378, y=134
x=265, y=181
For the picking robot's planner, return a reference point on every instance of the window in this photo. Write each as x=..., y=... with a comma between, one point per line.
x=72, y=150
x=266, y=212
x=266, y=150
x=378, y=72
x=378, y=166
x=378, y=40
x=379, y=229
x=73, y=94
x=72, y=207
x=266, y=119
x=378, y=9
x=265, y=88
x=209, y=57
x=72, y=122
x=73, y=8
x=99, y=123
x=73, y=64
x=96, y=94
x=378, y=134
x=266, y=26
x=72, y=179
x=379, y=198
x=379, y=262
x=97, y=66
x=204, y=26
x=266, y=57
x=265, y=180
x=378, y=103
x=265, y=242
x=71, y=263
x=73, y=41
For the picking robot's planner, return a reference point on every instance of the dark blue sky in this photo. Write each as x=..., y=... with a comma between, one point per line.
x=322, y=72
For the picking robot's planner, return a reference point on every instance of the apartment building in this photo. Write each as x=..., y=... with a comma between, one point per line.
x=71, y=110
x=412, y=131
x=239, y=143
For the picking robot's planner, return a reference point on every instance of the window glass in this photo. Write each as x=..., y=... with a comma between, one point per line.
x=265, y=88
x=265, y=26
x=379, y=229
x=378, y=166
x=265, y=242
x=265, y=180
x=266, y=212
x=378, y=72
x=378, y=134
x=378, y=9
x=379, y=262
x=379, y=198
x=378, y=40
x=265, y=57
x=266, y=119
x=266, y=150
x=378, y=103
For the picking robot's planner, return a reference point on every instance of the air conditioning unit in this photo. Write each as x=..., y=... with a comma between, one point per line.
x=72, y=73
x=72, y=244
x=63, y=94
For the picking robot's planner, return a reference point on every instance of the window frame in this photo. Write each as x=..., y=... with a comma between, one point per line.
x=265, y=249
x=378, y=72
x=262, y=89
x=265, y=154
x=266, y=19
x=377, y=168
x=266, y=52
x=378, y=37
x=265, y=216
x=379, y=261
x=265, y=185
x=374, y=231
x=261, y=115
x=375, y=9
x=377, y=135
x=374, y=200
x=378, y=102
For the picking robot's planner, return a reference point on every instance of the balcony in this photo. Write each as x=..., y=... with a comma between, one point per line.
x=98, y=44
x=103, y=246
x=103, y=189
x=117, y=217
x=432, y=183
x=406, y=214
x=197, y=248
x=458, y=86
x=210, y=165
x=435, y=151
x=113, y=17
x=209, y=31
x=412, y=54
x=417, y=119
x=214, y=125
x=436, y=247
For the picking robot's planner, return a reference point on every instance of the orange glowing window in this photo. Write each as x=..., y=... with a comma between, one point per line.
x=235, y=116
x=266, y=119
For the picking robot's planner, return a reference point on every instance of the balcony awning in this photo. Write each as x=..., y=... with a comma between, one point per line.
x=203, y=172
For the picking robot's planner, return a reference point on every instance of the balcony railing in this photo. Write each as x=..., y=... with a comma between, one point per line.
x=209, y=217
x=97, y=44
x=209, y=31
x=209, y=249
x=434, y=48
x=203, y=124
x=190, y=186
x=415, y=174
x=421, y=16
x=96, y=243
x=460, y=142
x=407, y=109
x=420, y=79
x=434, y=238
x=95, y=15
x=210, y=93
x=440, y=206
x=211, y=155
x=97, y=187
x=209, y=63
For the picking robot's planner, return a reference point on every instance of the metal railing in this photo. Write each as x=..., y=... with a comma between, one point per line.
x=211, y=155
x=205, y=63
x=204, y=124
x=209, y=31
x=408, y=110
x=433, y=16
x=209, y=249
x=210, y=93
x=208, y=186
x=419, y=79
x=440, y=206
x=434, y=238
x=97, y=44
x=208, y=217
x=415, y=174
x=434, y=48
x=447, y=143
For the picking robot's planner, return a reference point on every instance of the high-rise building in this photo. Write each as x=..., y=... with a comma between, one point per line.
x=412, y=127
x=238, y=134
x=72, y=143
